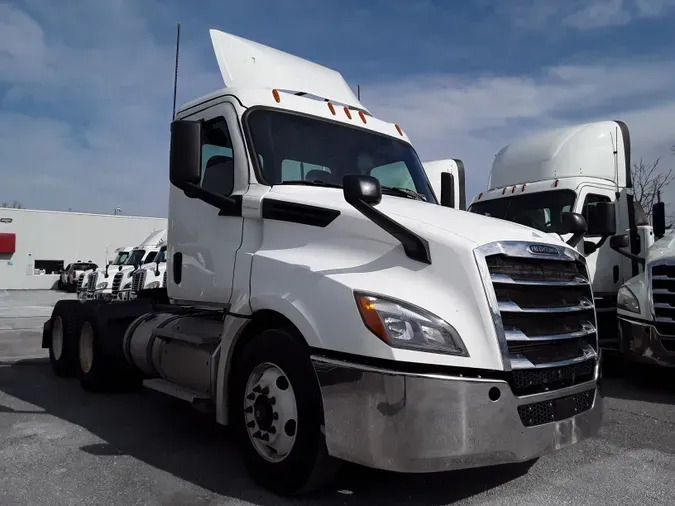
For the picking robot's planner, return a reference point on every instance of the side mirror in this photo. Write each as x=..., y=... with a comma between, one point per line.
x=619, y=241
x=185, y=159
x=356, y=187
x=110, y=262
x=447, y=189
x=602, y=219
x=575, y=224
x=659, y=219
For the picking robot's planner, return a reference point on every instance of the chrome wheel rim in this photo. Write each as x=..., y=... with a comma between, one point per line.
x=57, y=338
x=270, y=412
x=86, y=347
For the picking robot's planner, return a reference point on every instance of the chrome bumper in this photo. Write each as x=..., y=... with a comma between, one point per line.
x=426, y=422
x=642, y=342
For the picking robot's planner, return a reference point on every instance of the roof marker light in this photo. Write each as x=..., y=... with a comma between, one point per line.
x=332, y=109
x=398, y=128
x=348, y=113
x=557, y=181
x=513, y=190
x=503, y=191
x=276, y=96
x=362, y=116
x=480, y=196
x=523, y=188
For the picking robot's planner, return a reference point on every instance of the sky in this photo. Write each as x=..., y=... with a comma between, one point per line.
x=86, y=86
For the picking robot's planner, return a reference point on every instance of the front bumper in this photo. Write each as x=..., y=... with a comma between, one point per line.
x=411, y=422
x=642, y=342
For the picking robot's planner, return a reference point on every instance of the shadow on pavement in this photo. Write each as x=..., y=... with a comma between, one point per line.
x=637, y=382
x=171, y=436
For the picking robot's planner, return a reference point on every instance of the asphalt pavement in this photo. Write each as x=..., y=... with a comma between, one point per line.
x=62, y=446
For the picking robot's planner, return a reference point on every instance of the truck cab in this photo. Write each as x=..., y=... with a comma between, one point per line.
x=327, y=313
x=87, y=281
x=447, y=181
x=583, y=169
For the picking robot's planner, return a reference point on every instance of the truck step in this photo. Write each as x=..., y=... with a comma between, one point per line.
x=170, y=335
x=185, y=394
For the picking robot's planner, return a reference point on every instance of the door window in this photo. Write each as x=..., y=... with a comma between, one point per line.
x=217, y=157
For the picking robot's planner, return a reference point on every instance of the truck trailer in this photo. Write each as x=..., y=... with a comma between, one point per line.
x=328, y=315
x=585, y=169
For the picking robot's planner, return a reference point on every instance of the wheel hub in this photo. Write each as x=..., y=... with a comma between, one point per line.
x=270, y=412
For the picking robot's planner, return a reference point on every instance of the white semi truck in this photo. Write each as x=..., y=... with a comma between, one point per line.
x=82, y=288
x=451, y=169
x=333, y=316
x=584, y=169
x=106, y=283
x=646, y=302
x=150, y=276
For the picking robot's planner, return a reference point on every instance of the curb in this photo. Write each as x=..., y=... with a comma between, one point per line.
x=23, y=360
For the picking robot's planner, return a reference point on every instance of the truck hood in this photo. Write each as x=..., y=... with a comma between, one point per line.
x=418, y=215
x=662, y=249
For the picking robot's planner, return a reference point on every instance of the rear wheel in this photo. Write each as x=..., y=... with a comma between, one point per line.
x=277, y=415
x=65, y=326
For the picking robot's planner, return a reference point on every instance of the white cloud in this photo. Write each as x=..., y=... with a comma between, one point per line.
x=471, y=119
x=598, y=14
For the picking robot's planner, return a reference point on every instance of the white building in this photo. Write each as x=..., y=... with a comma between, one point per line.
x=36, y=245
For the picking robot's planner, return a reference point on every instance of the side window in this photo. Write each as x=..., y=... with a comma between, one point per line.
x=395, y=175
x=292, y=170
x=151, y=257
x=217, y=158
x=591, y=200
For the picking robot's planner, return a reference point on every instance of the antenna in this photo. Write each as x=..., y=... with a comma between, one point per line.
x=358, y=92
x=175, y=71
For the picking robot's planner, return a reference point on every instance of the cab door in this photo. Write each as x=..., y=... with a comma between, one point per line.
x=202, y=239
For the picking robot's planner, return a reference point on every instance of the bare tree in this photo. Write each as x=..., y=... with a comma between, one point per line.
x=12, y=205
x=649, y=181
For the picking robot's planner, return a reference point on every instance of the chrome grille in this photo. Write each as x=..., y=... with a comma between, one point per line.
x=164, y=279
x=663, y=297
x=543, y=312
x=138, y=280
x=91, y=282
x=80, y=280
x=117, y=281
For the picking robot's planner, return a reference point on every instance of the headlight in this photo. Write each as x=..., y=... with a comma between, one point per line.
x=154, y=284
x=402, y=325
x=627, y=300
x=101, y=286
x=127, y=286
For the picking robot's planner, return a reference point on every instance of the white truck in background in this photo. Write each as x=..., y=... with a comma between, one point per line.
x=646, y=302
x=83, y=289
x=454, y=187
x=332, y=315
x=69, y=276
x=106, y=283
x=585, y=169
x=150, y=276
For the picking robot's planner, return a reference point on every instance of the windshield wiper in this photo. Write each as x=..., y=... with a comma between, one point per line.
x=316, y=182
x=403, y=192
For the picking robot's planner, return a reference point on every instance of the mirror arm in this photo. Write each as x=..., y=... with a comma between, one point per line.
x=631, y=256
x=415, y=247
x=227, y=205
x=574, y=240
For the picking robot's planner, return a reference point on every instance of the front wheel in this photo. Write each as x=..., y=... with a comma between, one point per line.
x=277, y=415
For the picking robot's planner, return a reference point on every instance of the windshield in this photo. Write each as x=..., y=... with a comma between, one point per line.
x=136, y=257
x=542, y=210
x=121, y=258
x=293, y=149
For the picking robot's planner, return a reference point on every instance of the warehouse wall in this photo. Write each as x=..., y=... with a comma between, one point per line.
x=63, y=236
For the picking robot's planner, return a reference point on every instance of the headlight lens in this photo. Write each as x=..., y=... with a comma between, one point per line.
x=127, y=286
x=627, y=300
x=154, y=284
x=102, y=286
x=402, y=325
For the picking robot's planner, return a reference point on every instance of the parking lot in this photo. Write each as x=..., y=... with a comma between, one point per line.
x=60, y=445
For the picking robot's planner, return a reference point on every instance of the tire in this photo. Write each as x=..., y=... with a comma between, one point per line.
x=60, y=284
x=66, y=318
x=98, y=369
x=306, y=467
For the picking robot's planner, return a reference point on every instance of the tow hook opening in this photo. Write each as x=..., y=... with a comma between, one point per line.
x=494, y=394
